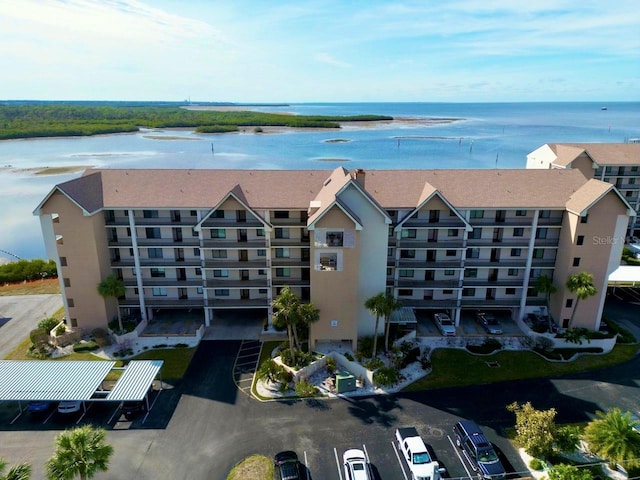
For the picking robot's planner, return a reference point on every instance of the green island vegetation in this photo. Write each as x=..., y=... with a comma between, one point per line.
x=62, y=120
x=27, y=270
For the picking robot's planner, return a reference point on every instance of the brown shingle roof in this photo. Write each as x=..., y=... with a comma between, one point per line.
x=601, y=153
x=293, y=189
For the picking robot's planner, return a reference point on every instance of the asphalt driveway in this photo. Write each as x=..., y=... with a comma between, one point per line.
x=19, y=314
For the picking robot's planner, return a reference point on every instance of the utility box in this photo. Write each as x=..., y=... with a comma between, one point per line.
x=345, y=382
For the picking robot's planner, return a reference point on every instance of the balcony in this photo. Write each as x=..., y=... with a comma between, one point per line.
x=550, y=222
x=484, y=282
x=225, y=243
x=442, y=244
x=543, y=263
x=291, y=281
x=486, y=303
x=164, y=282
x=487, y=262
x=155, y=242
x=236, y=283
x=448, y=222
x=289, y=242
x=430, y=303
x=289, y=222
x=156, y=262
x=520, y=242
x=232, y=223
x=290, y=262
x=237, y=303
x=431, y=284
x=547, y=242
x=163, y=302
x=236, y=264
x=431, y=265
x=507, y=222
x=186, y=221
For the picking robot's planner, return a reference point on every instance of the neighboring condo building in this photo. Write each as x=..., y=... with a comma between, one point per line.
x=615, y=163
x=211, y=241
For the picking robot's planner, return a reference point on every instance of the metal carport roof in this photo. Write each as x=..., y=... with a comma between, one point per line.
x=134, y=383
x=57, y=381
x=625, y=275
x=51, y=380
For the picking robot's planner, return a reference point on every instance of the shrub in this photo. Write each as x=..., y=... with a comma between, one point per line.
x=101, y=337
x=181, y=345
x=85, y=346
x=410, y=357
x=60, y=330
x=425, y=361
x=296, y=359
x=386, y=376
x=545, y=344
x=624, y=335
x=257, y=130
x=365, y=347
x=39, y=336
x=536, y=464
x=48, y=323
x=374, y=364
x=349, y=357
x=330, y=363
x=490, y=345
x=305, y=389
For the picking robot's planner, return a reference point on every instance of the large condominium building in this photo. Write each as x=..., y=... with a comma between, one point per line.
x=616, y=163
x=440, y=240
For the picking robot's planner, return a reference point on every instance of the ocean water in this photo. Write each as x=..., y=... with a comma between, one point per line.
x=483, y=135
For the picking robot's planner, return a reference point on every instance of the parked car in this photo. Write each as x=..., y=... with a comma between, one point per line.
x=636, y=418
x=132, y=409
x=355, y=465
x=478, y=450
x=287, y=466
x=445, y=324
x=39, y=407
x=489, y=323
x=69, y=406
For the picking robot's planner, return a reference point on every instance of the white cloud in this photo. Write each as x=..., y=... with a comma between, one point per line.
x=327, y=58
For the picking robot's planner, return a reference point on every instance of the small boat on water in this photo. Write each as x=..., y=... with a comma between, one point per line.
x=603, y=108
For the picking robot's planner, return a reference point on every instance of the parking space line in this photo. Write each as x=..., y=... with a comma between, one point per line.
x=335, y=453
x=395, y=450
x=306, y=464
x=366, y=454
x=457, y=450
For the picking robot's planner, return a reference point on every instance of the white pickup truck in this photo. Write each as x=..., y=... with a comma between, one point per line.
x=415, y=452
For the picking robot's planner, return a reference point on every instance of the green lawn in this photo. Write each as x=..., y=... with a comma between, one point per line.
x=454, y=367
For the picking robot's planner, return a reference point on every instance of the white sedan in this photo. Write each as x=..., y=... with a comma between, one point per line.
x=355, y=465
x=445, y=324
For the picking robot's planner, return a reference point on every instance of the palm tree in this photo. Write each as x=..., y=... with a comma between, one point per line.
x=110, y=287
x=22, y=471
x=307, y=314
x=285, y=313
x=612, y=437
x=389, y=305
x=545, y=285
x=80, y=452
x=582, y=285
x=376, y=305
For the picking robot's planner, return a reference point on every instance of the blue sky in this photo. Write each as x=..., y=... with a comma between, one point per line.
x=332, y=51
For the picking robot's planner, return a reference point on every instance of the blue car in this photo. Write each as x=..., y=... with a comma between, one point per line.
x=39, y=406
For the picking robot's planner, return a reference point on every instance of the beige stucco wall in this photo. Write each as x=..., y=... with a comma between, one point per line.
x=584, y=164
x=599, y=246
x=86, y=250
x=335, y=292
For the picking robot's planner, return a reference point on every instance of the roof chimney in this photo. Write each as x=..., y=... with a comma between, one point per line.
x=360, y=173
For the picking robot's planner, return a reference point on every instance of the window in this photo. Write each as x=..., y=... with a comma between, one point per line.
x=538, y=253
x=157, y=272
x=262, y=272
x=220, y=273
x=262, y=252
x=194, y=233
x=434, y=216
x=218, y=233
x=70, y=303
x=407, y=254
x=199, y=289
x=128, y=231
x=518, y=232
x=282, y=233
x=471, y=273
x=580, y=240
x=452, y=213
x=150, y=213
x=451, y=253
x=391, y=231
x=193, y=213
x=516, y=252
x=283, y=272
x=389, y=271
x=159, y=292
x=262, y=291
x=409, y=233
x=405, y=292
x=63, y=261
x=154, y=252
x=328, y=261
x=281, y=214
x=541, y=233
x=334, y=239
x=584, y=219
x=576, y=261
x=477, y=214
x=569, y=303
x=468, y=292
x=453, y=232
x=219, y=253
x=260, y=232
x=509, y=291
x=218, y=214
x=198, y=271
x=405, y=272
x=221, y=292
x=390, y=252
x=447, y=292
x=153, y=232
x=473, y=253
x=512, y=272
x=196, y=252
x=521, y=213
x=133, y=272
x=449, y=273
x=544, y=213
x=67, y=282
x=283, y=253
x=476, y=233
x=131, y=252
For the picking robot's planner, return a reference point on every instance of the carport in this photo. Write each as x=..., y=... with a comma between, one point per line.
x=58, y=381
x=625, y=276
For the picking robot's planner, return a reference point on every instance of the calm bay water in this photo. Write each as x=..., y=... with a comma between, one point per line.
x=486, y=136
